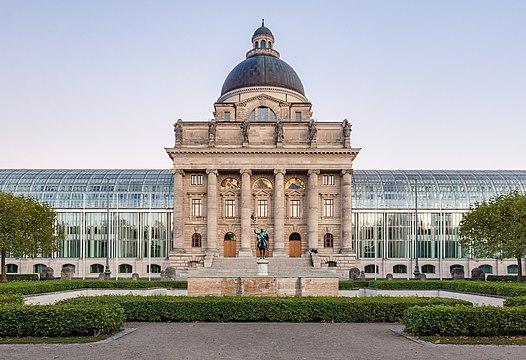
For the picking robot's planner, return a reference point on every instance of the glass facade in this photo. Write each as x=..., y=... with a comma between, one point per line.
x=140, y=204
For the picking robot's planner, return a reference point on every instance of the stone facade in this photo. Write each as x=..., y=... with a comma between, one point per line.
x=262, y=162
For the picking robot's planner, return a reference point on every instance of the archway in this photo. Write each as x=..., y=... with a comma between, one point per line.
x=295, y=245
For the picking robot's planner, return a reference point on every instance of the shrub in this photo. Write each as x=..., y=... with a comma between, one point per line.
x=406, y=284
x=503, y=278
x=465, y=321
x=37, y=287
x=11, y=299
x=37, y=320
x=499, y=289
x=280, y=309
x=515, y=301
x=352, y=284
x=22, y=277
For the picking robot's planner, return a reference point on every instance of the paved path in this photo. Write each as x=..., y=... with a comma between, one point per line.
x=238, y=341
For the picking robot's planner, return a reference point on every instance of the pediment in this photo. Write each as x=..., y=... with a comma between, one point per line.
x=262, y=100
x=263, y=193
x=295, y=193
x=229, y=193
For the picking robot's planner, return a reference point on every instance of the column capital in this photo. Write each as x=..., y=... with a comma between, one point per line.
x=313, y=171
x=347, y=171
x=178, y=172
x=245, y=171
x=212, y=171
x=280, y=171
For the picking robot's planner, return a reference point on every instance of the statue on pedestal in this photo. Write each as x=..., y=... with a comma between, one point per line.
x=262, y=242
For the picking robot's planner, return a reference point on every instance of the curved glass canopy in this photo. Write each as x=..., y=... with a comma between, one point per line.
x=372, y=189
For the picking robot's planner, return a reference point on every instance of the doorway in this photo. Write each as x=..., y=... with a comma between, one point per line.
x=229, y=245
x=295, y=245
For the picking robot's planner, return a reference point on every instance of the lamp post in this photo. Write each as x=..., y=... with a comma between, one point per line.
x=416, y=273
x=107, y=271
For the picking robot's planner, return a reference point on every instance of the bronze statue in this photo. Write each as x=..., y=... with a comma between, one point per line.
x=262, y=242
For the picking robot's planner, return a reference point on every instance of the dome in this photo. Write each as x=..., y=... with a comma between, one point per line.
x=263, y=70
x=262, y=30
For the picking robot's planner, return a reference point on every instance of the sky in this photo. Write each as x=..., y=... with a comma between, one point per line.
x=436, y=84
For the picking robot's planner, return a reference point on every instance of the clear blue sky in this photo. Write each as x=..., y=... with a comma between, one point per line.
x=426, y=84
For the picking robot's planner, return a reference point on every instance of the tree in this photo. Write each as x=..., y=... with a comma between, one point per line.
x=27, y=228
x=497, y=228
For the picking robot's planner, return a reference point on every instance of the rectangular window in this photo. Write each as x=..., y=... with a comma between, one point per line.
x=298, y=116
x=295, y=208
x=197, y=179
x=327, y=180
x=263, y=208
x=230, y=208
x=197, y=207
x=328, y=207
x=227, y=115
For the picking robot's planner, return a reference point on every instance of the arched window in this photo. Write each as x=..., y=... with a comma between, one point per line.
x=125, y=269
x=11, y=268
x=263, y=45
x=513, y=269
x=370, y=269
x=270, y=45
x=196, y=240
x=156, y=269
x=400, y=269
x=71, y=266
x=488, y=269
x=428, y=269
x=38, y=268
x=456, y=266
x=328, y=240
x=96, y=268
x=262, y=113
x=256, y=45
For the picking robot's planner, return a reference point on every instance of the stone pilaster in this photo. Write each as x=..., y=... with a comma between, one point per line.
x=279, y=213
x=246, y=229
x=346, y=201
x=312, y=216
x=178, y=224
x=211, y=213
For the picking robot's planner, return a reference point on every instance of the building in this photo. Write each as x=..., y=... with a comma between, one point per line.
x=261, y=162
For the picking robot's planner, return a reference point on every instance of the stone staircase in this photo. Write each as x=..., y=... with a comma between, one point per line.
x=279, y=267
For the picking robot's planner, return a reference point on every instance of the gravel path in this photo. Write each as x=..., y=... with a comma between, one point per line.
x=235, y=341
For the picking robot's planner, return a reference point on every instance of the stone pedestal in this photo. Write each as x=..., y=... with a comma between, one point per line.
x=262, y=267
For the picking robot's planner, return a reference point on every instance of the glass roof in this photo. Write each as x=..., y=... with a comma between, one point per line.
x=372, y=189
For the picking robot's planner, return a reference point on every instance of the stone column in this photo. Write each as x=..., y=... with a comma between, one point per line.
x=279, y=214
x=346, y=200
x=312, y=216
x=211, y=213
x=246, y=229
x=178, y=222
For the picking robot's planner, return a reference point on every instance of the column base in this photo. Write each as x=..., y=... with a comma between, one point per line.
x=245, y=252
x=279, y=253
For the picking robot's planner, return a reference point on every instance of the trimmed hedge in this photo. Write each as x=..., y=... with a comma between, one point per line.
x=465, y=321
x=274, y=309
x=353, y=284
x=37, y=320
x=502, y=278
x=37, y=287
x=515, y=301
x=11, y=299
x=406, y=284
x=22, y=277
x=499, y=289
